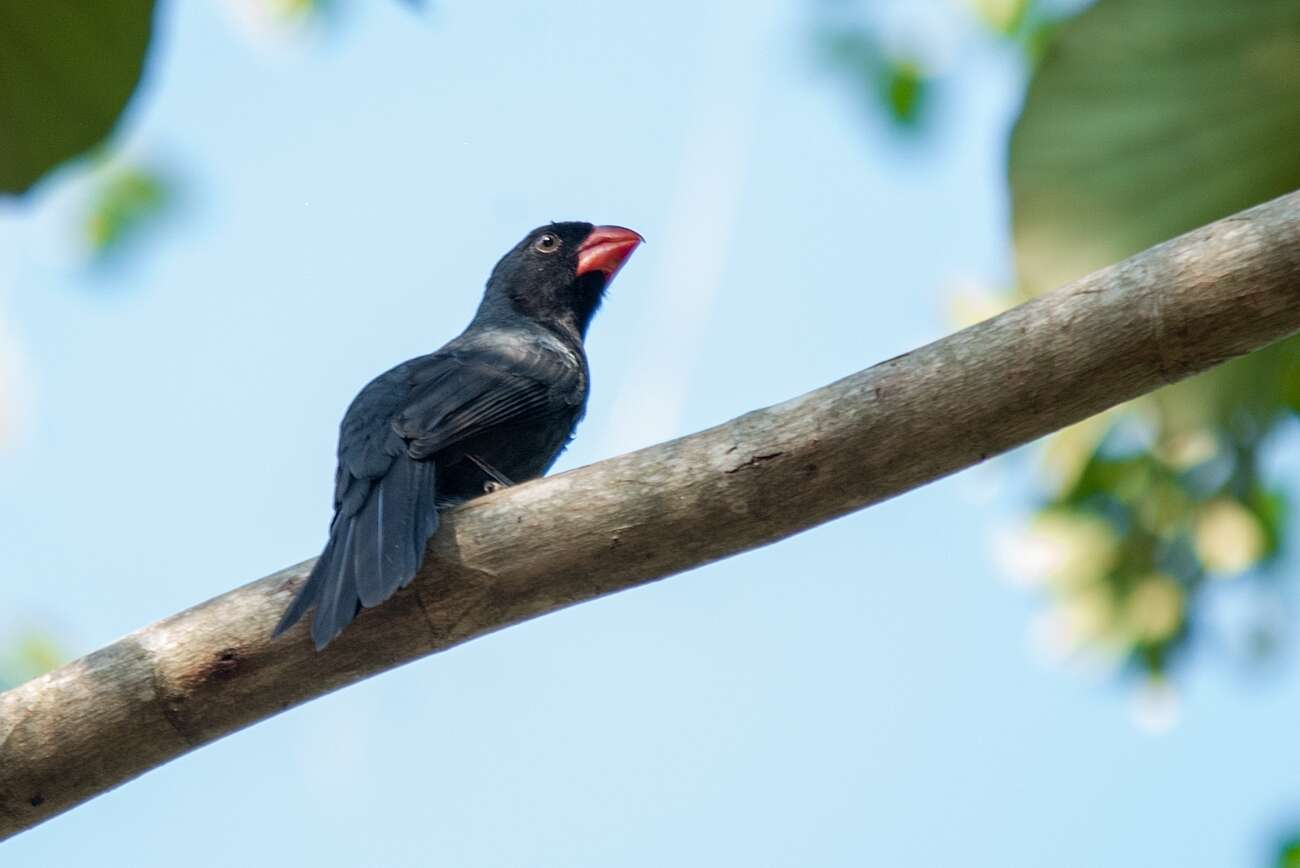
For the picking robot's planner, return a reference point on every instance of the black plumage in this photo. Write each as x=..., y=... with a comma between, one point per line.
x=496, y=405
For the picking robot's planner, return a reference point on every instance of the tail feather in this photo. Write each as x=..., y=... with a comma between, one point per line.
x=307, y=594
x=337, y=604
x=372, y=552
x=369, y=556
x=394, y=528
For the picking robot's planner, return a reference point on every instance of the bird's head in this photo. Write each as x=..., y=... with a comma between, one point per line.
x=558, y=273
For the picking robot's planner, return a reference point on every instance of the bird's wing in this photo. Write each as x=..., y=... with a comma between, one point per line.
x=385, y=502
x=430, y=403
x=468, y=394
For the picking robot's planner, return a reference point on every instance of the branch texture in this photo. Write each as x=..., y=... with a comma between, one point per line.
x=1177, y=309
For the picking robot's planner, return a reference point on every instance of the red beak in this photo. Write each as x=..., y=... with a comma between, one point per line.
x=606, y=249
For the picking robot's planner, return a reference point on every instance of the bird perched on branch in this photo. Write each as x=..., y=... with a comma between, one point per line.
x=496, y=405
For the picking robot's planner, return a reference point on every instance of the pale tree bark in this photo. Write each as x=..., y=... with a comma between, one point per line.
x=1177, y=309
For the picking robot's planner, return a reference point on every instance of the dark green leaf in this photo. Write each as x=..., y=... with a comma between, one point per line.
x=67, y=70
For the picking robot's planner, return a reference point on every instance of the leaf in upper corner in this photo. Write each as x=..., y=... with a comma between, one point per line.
x=1146, y=120
x=67, y=70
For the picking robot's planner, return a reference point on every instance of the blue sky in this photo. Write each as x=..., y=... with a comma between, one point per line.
x=861, y=694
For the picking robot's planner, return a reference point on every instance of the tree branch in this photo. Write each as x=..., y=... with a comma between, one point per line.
x=1177, y=309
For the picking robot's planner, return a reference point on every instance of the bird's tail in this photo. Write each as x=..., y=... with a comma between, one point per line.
x=371, y=552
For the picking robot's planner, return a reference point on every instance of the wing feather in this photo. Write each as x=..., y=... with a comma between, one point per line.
x=386, y=505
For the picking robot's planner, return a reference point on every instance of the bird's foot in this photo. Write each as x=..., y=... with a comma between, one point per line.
x=496, y=479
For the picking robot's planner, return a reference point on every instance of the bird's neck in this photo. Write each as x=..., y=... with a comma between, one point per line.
x=566, y=318
x=565, y=327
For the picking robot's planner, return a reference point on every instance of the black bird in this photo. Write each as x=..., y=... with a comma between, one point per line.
x=496, y=405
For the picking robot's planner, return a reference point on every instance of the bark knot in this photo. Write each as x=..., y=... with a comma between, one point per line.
x=225, y=666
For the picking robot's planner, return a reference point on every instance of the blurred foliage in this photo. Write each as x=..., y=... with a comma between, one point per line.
x=67, y=70
x=897, y=83
x=291, y=9
x=123, y=204
x=1003, y=16
x=280, y=18
x=1027, y=23
x=1144, y=121
x=1288, y=853
x=899, y=75
x=31, y=654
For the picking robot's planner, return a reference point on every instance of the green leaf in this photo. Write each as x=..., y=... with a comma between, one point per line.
x=1288, y=854
x=899, y=84
x=122, y=206
x=1146, y=120
x=67, y=70
x=903, y=89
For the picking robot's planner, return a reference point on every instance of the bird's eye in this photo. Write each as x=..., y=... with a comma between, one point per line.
x=547, y=243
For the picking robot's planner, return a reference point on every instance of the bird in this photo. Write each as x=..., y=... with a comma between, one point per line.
x=496, y=405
